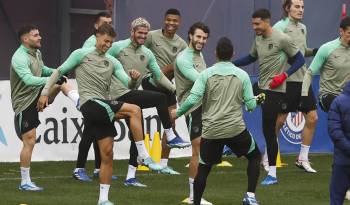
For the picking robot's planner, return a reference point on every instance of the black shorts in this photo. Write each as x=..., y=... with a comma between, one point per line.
x=171, y=97
x=28, y=119
x=99, y=117
x=211, y=149
x=295, y=102
x=326, y=100
x=194, y=123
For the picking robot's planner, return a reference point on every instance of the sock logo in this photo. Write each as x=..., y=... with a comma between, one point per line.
x=293, y=127
x=2, y=137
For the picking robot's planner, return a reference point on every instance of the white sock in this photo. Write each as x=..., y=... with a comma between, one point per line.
x=74, y=96
x=164, y=162
x=304, y=152
x=25, y=174
x=272, y=171
x=170, y=135
x=190, y=182
x=131, y=172
x=96, y=170
x=77, y=169
x=141, y=149
x=104, y=189
x=251, y=194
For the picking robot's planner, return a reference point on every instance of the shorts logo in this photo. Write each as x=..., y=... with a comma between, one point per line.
x=174, y=49
x=293, y=127
x=142, y=57
x=114, y=102
x=270, y=46
x=195, y=129
x=25, y=124
x=2, y=137
x=106, y=63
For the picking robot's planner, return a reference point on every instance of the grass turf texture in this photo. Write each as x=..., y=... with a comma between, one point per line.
x=225, y=185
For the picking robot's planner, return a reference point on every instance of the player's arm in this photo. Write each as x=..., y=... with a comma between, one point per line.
x=295, y=59
x=195, y=96
x=157, y=75
x=120, y=73
x=20, y=65
x=187, y=69
x=72, y=61
x=90, y=42
x=335, y=129
x=315, y=67
x=248, y=59
x=248, y=96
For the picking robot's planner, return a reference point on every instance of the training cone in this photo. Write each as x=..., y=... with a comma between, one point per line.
x=141, y=167
x=156, y=149
x=279, y=162
x=224, y=164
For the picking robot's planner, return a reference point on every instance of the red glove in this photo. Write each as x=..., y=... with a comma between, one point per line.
x=277, y=80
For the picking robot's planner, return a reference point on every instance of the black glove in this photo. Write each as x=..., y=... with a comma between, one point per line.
x=61, y=80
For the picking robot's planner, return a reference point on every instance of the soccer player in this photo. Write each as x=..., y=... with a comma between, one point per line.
x=94, y=69
x=79, y=172
x=332, y=62
x=293, y=11
x=223, y=88
x=134, y=55
x=188, y=64
x=273, y=49
x=28, y=75
x=339, y=131
x=165, y=44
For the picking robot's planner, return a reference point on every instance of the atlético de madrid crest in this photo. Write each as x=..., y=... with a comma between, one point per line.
x=293, y=127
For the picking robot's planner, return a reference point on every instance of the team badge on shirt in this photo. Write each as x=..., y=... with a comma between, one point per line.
x=106, y=63
x=270, y=46
x=303, y=31
x=142, y=57
x=174, y=49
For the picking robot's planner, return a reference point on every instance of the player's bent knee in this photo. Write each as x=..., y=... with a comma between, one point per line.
x=312, y=118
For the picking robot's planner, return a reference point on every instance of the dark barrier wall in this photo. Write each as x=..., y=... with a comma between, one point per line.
x=230, y=18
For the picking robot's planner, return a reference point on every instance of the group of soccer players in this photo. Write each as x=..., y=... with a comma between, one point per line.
x=212, y=99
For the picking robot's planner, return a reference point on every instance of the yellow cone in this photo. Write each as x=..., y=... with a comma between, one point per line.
x=141, y=167
x=279, y=162
x=224, y=164
x=156, y=149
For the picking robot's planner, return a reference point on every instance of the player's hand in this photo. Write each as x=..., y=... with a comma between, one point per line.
x=61, y=80
x=168, y=71
x=277, y=80
x=134, y=74
x=43, y=102
x=173, y=114
x=260, y=99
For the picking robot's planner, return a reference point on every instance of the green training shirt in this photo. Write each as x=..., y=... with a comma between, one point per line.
x=164, y=49
x=28, y=75
x=93, y=72
x=188, y=65
x=140, y=58
x=223, y=89
x=273, y=52
x=117, y=88
x=298, y=32
x=332, y=62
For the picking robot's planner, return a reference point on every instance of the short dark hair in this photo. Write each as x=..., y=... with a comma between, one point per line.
x=198, y=25
x=106, y=29
x=25, y=30
x=286, y=5
x=345, y=22
x=172, y=11
x=102, y=14
x=262, y=13
x=224, y=49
